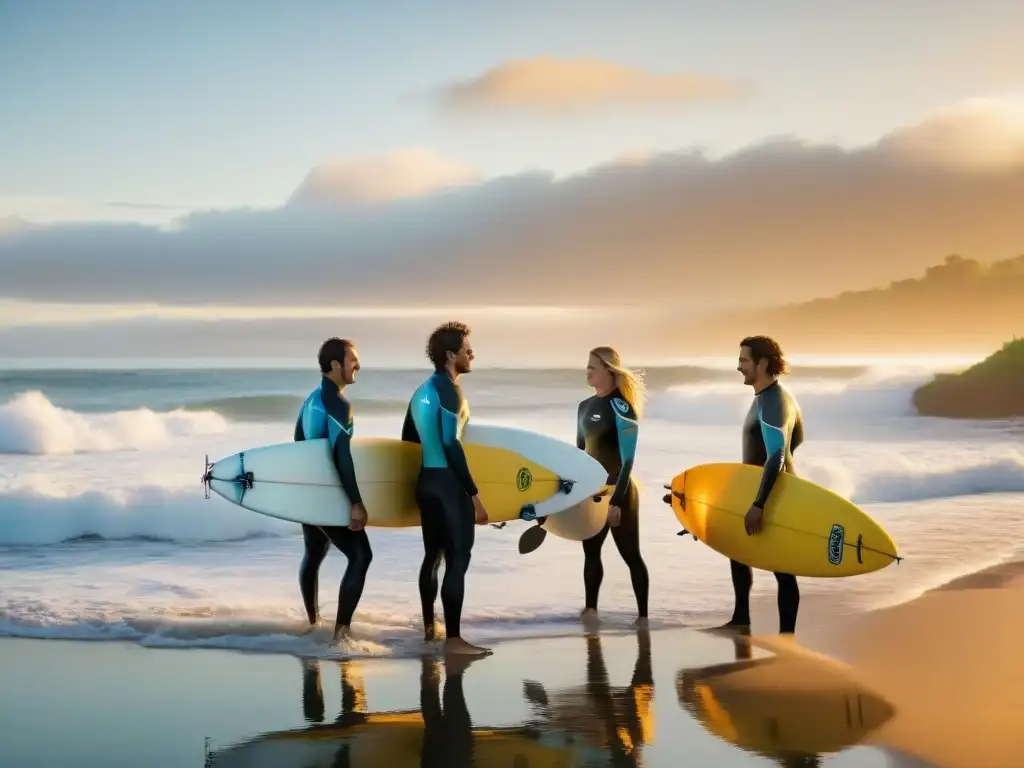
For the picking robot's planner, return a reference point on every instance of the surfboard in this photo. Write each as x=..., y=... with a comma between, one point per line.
x=382, y=740
x=581, y=521
x=808, y=530
x=782, y=706
x=519, y=474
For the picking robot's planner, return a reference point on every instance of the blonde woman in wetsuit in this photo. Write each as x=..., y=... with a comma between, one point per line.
x=606, y=428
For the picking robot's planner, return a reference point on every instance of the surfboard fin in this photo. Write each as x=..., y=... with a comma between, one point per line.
x=532, y=538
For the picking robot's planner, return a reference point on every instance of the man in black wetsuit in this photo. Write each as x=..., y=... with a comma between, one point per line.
x=606, y=428
x=445, y=491
x=326, y=413
x=773, y=429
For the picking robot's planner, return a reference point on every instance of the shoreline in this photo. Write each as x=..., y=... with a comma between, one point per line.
x=816, y=625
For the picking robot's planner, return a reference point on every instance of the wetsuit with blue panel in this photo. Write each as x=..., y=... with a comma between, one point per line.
x=326, y=413
x=772, y=430
x=445, y=489
x=607, y=428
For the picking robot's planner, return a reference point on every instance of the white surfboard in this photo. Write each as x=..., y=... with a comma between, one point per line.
x=581, y=521
x=521, y=475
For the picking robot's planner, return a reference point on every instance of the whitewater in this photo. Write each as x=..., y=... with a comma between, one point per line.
x=105, y=532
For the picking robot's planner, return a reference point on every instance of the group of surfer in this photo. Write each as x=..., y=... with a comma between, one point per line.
x=607, y=429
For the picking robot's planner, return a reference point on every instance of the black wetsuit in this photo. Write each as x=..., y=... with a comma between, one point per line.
x=327, y=414
x=606, y=428
x=773, y=429
x=436, y=415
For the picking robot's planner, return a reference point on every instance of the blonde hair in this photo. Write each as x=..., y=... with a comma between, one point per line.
x=630, y=383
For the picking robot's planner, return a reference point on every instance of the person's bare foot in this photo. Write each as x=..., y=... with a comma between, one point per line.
x=341, y=633
x=641, y=623
x=456, y=646
x=589, y=616
x=430, y=633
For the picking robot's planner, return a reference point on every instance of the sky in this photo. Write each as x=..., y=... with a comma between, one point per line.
x=332, y=157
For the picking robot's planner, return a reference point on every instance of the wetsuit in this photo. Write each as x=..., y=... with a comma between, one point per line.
x=606, y=428
x=436, y=415
x=773, y=429
x=327, y=414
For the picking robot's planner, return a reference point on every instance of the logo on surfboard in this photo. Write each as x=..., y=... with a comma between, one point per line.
x=524, y=479
x=836, y=542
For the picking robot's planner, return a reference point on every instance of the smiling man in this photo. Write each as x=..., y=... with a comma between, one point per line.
x=773, y=429
x=327, y=413
x=445, y=491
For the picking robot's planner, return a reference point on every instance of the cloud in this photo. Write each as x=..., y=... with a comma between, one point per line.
x=394, y=176
x=780, y=221
x=978, y=134
x=555, y=86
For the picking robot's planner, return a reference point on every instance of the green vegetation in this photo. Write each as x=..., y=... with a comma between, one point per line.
x=991, y=389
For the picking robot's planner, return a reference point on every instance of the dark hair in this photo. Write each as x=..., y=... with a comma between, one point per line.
x=333, y=349
x=762, y=347
x=446, y=338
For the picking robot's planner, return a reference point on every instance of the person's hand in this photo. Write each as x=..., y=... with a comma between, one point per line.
x=754, y=520
x=359, y=517
x=614, y=516
x=479, y=511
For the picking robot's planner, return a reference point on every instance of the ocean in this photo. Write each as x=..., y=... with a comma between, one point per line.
x=105, y=532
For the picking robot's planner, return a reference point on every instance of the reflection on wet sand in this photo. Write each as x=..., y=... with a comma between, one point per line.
x=609, y=725
x=439, y=734
x=593, y=725
x=789, y=708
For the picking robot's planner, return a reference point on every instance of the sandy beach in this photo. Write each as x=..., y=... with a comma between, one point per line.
x=936, y=681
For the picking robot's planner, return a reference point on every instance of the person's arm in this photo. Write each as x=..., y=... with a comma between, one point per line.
x=775, y=430
x=448, y=413
x=409, y=432
x=581, y=440
x=627, y=427
x=798, y=434
x=340, y=425
x=300, y=433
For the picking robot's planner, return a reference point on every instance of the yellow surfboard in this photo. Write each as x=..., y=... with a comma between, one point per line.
x=808, y=530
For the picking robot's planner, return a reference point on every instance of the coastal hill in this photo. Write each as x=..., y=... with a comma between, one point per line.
x=956, y=307
x=991, y=389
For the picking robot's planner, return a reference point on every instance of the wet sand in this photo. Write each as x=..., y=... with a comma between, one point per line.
x=627, y=700
x=952, y=664
x=933, y=682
